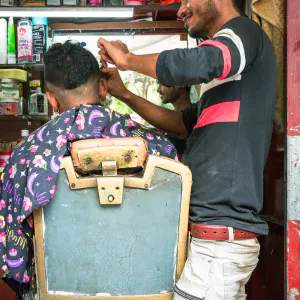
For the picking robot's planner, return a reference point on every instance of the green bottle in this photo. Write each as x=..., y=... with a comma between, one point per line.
x=11, y=42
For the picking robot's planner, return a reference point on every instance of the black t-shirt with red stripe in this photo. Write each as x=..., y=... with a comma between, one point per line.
x=231, y=124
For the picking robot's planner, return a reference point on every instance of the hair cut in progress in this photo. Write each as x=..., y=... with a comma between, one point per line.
x=69, y=66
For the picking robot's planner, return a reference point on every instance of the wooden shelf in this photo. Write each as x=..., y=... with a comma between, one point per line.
x=27, y=67
x=110, y=28
x=25, y=117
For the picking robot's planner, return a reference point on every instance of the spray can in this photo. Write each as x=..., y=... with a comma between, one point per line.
x=40, y=38
x=24, y=33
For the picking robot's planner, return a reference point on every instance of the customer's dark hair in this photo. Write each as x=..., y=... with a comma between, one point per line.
x=68, y=66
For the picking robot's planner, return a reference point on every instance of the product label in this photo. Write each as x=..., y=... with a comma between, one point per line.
x=25, y=42
x=39, y=42
x=10, y=108
x=34, y=83
x=40, y=103
x=9, y=93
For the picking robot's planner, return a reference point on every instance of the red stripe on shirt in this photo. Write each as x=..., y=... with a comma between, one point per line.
x=221, y=112
x=225, y=53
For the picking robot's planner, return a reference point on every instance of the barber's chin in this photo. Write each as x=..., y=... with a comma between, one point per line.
x=194, y=34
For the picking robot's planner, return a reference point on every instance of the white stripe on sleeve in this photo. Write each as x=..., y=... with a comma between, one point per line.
x=229, y=33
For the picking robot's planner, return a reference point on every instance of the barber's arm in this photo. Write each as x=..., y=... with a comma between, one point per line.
x=225, y=55
x=178, y=67
x=117, y=54
x=167, y=120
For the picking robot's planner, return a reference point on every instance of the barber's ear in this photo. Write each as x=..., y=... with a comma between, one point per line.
x=103, y=89
x=53, y=101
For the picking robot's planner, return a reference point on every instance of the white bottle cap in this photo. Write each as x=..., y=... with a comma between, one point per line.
x=24, y=132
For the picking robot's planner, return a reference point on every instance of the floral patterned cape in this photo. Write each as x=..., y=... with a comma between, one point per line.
x=29, y=179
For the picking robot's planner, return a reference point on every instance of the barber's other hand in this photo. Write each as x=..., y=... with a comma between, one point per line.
x=114, y=52
x=115, y=85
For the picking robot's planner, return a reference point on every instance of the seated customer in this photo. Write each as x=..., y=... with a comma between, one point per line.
x=180, y=99
x=178, y=96
x=29, y=179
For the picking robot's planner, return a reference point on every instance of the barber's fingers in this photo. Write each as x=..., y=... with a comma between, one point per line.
x=102, y=43
x=110, y=71
x=106, y=57
x=103, y=63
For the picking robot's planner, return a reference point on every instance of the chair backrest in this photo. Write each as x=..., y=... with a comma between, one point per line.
x=132, y=243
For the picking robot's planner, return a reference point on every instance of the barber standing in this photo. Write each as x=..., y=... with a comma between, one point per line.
x=229, y=132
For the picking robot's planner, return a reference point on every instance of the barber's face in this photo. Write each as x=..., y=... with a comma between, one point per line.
x=198, y=16
x=167, y=94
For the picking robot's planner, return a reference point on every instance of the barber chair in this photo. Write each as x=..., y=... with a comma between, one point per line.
x=117, y=226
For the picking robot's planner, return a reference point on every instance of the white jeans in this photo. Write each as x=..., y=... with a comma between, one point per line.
x=217, y=270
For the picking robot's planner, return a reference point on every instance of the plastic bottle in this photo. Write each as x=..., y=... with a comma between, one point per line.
x=3, y=41
x=24, y=134
x=11, y=42
x=40, y=38
x=25, y=50
x=37, y=101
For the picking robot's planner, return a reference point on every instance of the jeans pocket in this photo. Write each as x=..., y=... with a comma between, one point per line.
x=195, y=276
x=235, y=278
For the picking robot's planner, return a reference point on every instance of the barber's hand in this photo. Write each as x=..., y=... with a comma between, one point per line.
x=114, y=52
x=115, y=84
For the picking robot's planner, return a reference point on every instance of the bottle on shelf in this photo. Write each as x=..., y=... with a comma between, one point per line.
x=9, y=97
x=3, y=41
x=11, y=42
x=24, y=37
x=37, y=101
x=40, y=38
x=24, y=134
